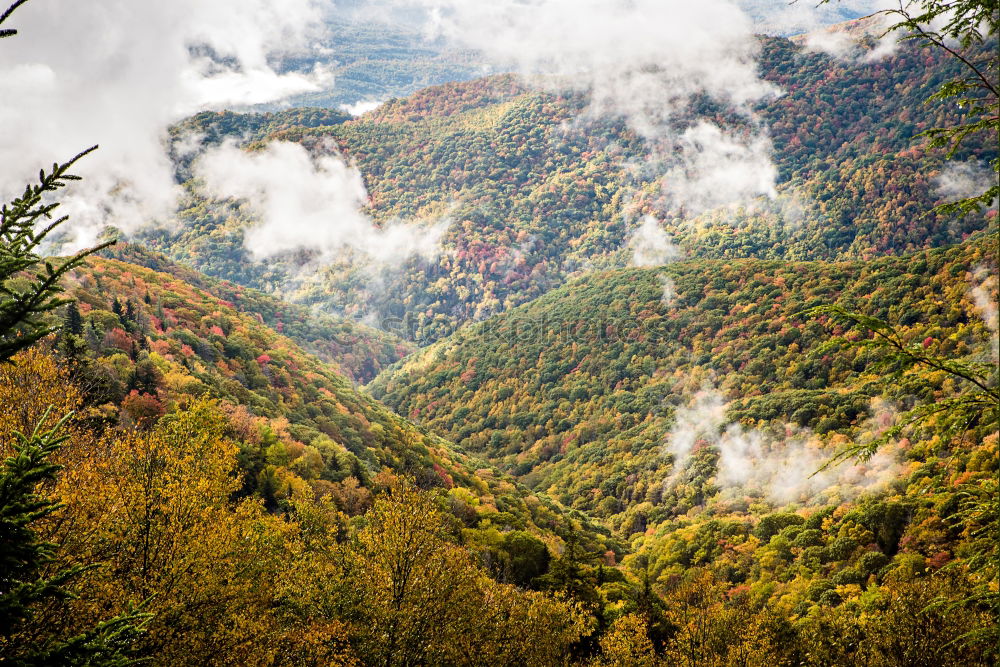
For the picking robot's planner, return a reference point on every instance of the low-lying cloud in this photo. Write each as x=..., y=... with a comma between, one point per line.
x=651, y=245
x=643, y=61
x=118, y=73
x=720, y=169
x=984, y=296
x=961, y=180
x=308, y=203
x=784, y=468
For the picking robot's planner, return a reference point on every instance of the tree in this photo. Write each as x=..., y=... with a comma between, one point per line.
x=27, y=291
x=74, y=321
x=953, y=26
x=414, y=597
x=964, y=24
x=627, y=644
x=155, y=506
x=30, y=577
x=27, y=581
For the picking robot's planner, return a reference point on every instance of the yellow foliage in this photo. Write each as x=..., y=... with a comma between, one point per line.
x=627, y=644
x=154, y=508
x=30, y=384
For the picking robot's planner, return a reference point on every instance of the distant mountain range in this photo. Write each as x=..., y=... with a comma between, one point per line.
x=377, y=55
x=532, y=204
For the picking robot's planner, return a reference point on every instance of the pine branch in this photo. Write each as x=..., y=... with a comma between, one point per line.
x=9, y=32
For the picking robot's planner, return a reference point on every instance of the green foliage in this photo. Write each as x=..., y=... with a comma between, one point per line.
x=575, y=392
x=976, y=407
x=965, y=26
x=358, y=351
x=531, y=203
x=304, y=430
x=27, y=292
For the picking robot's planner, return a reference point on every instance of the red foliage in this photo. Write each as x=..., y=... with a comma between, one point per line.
x=118, y=338
x=144, y=409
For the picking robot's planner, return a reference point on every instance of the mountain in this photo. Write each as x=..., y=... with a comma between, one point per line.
x=372, y=60
x=576, y=392
x=357, y=351
x=535, y=196
x=695, y=409
x=146, y=343
x=377, y=54
x=603, y=416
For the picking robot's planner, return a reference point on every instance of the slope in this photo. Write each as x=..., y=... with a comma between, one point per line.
x=357, y=351
x=142, y=343
x=534, y=196
x=577, y=391
x=692, y=409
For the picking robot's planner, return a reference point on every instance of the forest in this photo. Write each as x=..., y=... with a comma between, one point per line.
x=534, y=206
x=771, y=440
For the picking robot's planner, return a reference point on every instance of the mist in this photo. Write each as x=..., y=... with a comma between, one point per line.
x=644, y=62
x=309, y=202
x=651, y=245
x=984, y=296
x=118, y=73
x=961, y=180
x=785, y=467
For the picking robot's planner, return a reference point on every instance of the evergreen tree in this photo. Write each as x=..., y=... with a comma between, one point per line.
x=29, y=285
x=24, y=562
x=74, y=321
x=30, y=288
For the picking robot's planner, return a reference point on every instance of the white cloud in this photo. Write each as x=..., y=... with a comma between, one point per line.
x=361, y=107
x=117, y=73
x=796, y=17
x=961, y=180
x=698, y=421
x=642, y=58
x=651, y=245
x=847, y=45
x=783, y=468
x=669, y=290
x=720, y=169
x=984, y=295
x=644, y=61
x=308, y=203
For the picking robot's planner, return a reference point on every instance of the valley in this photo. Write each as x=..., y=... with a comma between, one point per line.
x=498, y=368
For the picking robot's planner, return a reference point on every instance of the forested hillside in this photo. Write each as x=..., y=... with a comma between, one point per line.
x=357, y=351
x=159, y=344
x=576, y=391
x=534, y=196
x=602, y=364
x=694, y=408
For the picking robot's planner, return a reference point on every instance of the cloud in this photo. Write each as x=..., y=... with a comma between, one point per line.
x=785, y=467
x=669, y=290
x=800, y=16
x=308, y=203
x=643, y=61
x=361, y=107
x=651, y=245
x=720, y=169
x=644, y=58
x=698, y=421
x=984, y=295
x=118, y=72
x=848, y=44
x=961, y=180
